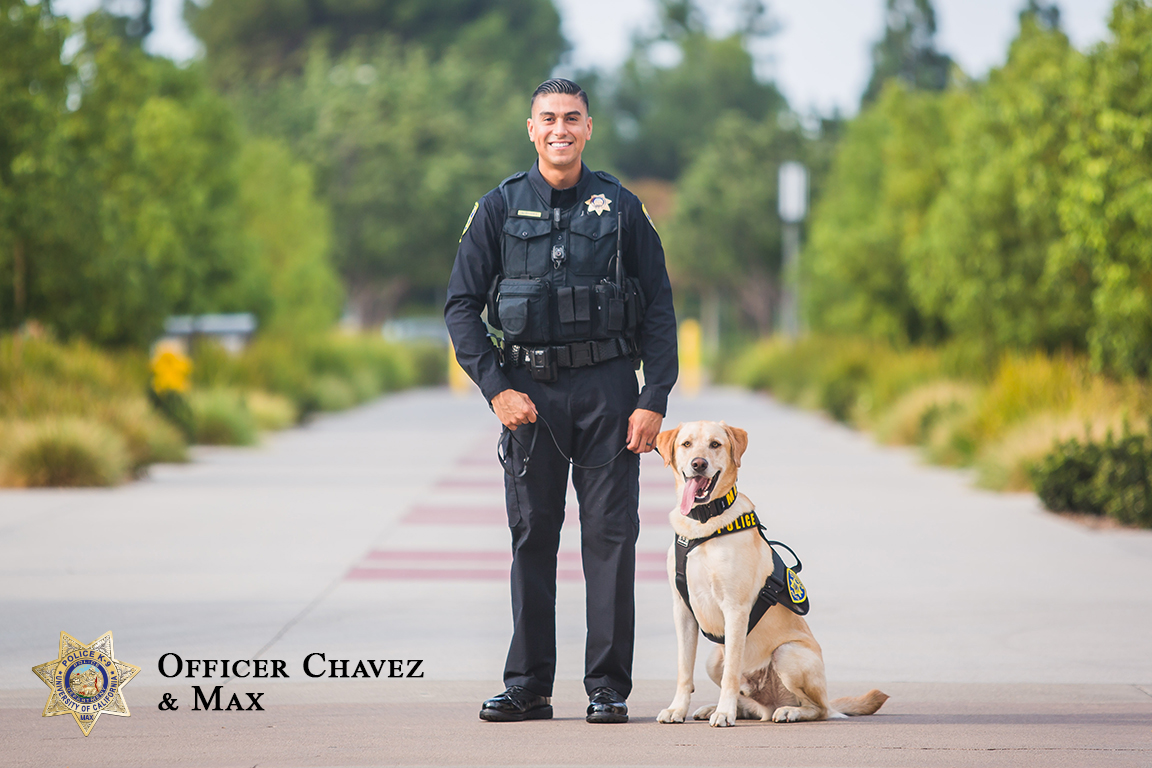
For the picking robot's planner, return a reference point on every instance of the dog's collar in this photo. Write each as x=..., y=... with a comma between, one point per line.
x=702, y=513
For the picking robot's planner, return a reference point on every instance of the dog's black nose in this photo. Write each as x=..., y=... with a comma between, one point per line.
x=699, y=465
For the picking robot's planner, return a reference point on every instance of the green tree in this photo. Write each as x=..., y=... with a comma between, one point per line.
x=402, y=144
x=33, y=84
x=291, y=232
x=659, y=118
x=725, y=234
x=887, y=171
x=156, y=188
x=1107, y=206
x=992, y=261
x=253, y=41
x=907, y=52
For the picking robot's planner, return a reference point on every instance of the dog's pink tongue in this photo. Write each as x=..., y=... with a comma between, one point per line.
x=692, y=486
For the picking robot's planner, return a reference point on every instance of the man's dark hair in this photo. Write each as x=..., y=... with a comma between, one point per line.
x=559, y=85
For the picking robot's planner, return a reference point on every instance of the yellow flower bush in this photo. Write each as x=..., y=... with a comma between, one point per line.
x=171, y=369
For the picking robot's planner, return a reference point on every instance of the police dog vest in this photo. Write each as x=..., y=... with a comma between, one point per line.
x=783, y=586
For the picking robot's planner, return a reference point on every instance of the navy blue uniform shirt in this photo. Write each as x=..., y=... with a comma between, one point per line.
x=478, y=262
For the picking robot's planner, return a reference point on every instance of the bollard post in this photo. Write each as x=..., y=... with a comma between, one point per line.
x=690, y=368
x=458, y=380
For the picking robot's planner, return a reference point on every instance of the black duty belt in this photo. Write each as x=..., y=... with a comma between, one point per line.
x=578, y=354
x=783, y=586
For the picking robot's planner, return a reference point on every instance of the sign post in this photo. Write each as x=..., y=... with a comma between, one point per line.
x=793, y=206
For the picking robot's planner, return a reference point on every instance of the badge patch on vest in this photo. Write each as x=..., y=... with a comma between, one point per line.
x=795, y=588
x=597, y=204
x=475, y=207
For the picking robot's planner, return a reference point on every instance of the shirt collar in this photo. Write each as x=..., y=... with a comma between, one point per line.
x=544, y=189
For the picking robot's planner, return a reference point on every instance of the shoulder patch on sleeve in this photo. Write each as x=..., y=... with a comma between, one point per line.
x=646, y=215
x=475, y=207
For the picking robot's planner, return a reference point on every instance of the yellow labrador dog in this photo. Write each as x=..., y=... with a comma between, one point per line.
x=775, y=671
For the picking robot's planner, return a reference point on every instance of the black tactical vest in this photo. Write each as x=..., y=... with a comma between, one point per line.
x=558, y=279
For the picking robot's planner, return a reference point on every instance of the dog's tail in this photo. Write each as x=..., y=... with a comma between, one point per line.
x=860, y=705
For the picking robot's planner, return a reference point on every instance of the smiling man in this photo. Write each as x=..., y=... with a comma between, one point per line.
x=569, y=266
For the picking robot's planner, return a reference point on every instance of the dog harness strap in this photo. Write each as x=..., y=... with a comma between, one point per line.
x=783, y=586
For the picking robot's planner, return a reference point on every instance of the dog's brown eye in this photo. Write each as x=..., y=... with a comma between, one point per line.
x=686, y=444
x=714, y=444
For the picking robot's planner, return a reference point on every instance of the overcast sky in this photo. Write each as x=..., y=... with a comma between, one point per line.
x=820, y=57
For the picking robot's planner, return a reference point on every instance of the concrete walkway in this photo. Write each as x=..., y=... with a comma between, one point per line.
x=1004, y=634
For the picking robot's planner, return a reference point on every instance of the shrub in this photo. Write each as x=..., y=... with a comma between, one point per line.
x=910, y=419
x=333, y=393
x=1112, y=478
x=148, y=437
x=1024, y=386
x=304, y=368
x=1121, y=484
x=1063, y=478
x=429, y=363
x=271, y=411
x=65, y=452
x=173, y=406
x=950, y=439
x=222, y=418
x=1010, y=462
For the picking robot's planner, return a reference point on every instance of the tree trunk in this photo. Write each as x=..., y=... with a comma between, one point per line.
x=759, y=295
x=373, y=302
x=19, y=283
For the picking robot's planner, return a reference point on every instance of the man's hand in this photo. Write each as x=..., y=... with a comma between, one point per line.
x=515, y=408
x=643, y=426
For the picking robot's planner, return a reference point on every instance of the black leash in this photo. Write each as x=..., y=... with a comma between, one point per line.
x=504, y=455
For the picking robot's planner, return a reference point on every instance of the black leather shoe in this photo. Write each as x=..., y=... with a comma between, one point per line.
x=607, y=706
x=516, y=704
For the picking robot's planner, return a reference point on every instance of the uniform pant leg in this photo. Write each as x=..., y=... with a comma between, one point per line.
x=604, y=398
x=535, y=515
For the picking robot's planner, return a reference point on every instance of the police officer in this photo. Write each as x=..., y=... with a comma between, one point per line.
x=541, y=253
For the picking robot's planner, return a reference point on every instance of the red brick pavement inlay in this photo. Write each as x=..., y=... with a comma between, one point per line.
x=384, y=565
x=412, y=565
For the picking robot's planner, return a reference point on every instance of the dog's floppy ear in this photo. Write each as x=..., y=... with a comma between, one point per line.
x=666, y=443
x=739, y=441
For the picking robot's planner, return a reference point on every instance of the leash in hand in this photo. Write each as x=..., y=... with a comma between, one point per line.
x=507, y=437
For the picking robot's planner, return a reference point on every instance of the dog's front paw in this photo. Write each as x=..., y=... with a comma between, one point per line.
x=722, y=719
x=786, y=715
x=704, y=712
x=671, y=715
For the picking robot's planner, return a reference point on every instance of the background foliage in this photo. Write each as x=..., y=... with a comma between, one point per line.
x=1012, y=213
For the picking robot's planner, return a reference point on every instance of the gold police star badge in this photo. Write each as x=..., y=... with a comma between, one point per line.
x=597, y=204
x=85, y=681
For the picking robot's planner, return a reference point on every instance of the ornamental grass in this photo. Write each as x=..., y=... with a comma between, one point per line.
x=1003, y=418
x=68, y=452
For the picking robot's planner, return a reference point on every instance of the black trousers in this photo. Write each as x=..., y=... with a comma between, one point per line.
x=588, y=409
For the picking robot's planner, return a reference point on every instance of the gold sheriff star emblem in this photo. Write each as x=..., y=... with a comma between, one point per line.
x=85, y=681
x=597, y=204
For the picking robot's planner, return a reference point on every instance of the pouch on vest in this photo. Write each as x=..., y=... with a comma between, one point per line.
x=490, y=303
x=522, y=305
x=609, y=320
x=574, y=308
x=633, y=308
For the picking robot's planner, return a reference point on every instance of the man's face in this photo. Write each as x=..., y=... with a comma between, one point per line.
x=559, y=127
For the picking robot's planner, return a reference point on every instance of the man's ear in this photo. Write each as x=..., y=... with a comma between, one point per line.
x=666, y=443
x=738, y=439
